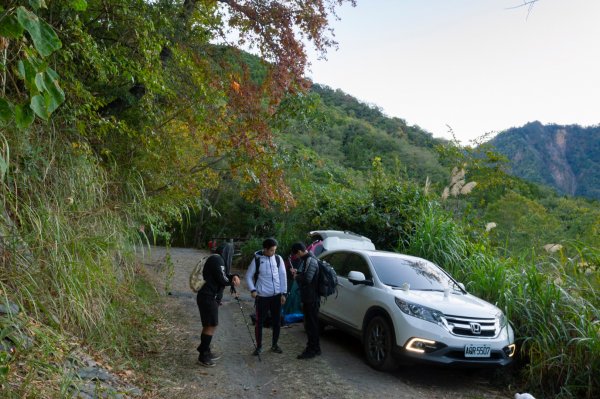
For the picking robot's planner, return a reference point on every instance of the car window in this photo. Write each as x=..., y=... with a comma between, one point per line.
x=337, y=261
x=419, y=274
x=357, y=263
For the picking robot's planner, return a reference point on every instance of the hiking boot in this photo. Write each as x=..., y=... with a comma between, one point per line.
x=306, y=355
x=275, y=348
x=206, y=361
x=213, y=356
x=257, y=351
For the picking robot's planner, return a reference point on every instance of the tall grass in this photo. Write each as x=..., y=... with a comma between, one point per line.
x=552, y=303
x=67, y=258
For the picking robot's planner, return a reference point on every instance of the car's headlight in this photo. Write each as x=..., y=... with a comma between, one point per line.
x=419, y=311
x=502, y=320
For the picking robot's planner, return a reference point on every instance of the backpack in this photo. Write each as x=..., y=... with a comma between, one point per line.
x=257, y=263
x=196, y=278
x=327, y=278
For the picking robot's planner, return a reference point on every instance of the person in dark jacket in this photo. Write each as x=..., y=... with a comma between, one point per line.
x=307, y=278
x=216, y=274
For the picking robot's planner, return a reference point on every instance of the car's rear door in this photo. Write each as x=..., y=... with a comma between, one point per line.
x=332, y=304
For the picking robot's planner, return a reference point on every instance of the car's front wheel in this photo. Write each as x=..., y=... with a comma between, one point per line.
x=378, y=343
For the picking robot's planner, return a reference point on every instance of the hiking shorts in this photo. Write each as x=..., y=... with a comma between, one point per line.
x=209, y=310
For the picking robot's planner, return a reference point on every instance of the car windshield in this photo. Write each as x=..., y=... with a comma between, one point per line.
x=419, y=273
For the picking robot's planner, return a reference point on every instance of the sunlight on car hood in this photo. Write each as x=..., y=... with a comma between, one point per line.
x=453, y=304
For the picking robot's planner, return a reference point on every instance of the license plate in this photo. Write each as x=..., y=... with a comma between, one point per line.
x=478, y=350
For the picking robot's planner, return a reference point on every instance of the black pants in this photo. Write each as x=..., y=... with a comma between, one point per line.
x=311, y=325
x=263, y=306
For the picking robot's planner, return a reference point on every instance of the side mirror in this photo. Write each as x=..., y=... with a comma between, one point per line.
x=358, y=278
x=461, y=285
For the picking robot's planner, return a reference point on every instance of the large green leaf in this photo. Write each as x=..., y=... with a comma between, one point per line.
x=10, y=27
x=39, y=106
x=44, y=38
x=5, y=111
x=50, y=96
x=54, y=95
x=27, y=72
x=23, y=116
x=39, y=81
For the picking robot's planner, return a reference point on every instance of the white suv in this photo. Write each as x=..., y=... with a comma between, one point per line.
x=406, y=307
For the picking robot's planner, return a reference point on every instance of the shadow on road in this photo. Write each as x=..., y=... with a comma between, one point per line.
x=348, y=352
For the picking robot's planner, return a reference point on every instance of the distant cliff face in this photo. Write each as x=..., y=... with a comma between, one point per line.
x=564, y=157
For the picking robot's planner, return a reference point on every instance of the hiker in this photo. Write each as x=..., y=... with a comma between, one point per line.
x=216, y=273
x=306, y=275
x=268, y=286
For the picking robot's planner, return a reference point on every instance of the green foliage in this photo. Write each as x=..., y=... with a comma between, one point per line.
x=385, y=213
x=557, y=331
x=352, y=133
x=71, y=263
x=437, y=237
x=30, y=59
x=522, y=224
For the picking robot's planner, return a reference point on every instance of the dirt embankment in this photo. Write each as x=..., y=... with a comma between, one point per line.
x=339, y=373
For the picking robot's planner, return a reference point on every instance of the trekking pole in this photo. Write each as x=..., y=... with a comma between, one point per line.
x=237, y=298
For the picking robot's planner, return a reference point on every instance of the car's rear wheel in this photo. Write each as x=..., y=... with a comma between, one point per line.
x=378, y=343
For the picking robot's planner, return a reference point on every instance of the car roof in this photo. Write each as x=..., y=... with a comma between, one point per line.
x=338, y=239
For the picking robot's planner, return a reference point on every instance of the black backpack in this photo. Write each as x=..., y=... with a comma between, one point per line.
x=327, y=279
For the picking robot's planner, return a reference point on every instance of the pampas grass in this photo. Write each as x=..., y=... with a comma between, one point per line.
x=467, y=188
x=552, y=248
x=490, y=226
x=458, y=185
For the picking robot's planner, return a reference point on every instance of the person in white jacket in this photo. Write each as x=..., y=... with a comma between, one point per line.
x=267, y=282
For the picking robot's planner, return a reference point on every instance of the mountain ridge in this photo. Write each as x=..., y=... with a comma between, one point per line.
x=565, y=157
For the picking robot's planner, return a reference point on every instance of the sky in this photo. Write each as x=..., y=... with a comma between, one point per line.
x=473, y=66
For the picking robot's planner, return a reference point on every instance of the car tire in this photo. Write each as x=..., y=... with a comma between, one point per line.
x=378, y=343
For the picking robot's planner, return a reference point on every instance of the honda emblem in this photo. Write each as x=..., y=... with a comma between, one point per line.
x=475, y=328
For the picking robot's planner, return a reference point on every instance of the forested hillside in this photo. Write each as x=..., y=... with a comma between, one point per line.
x=352, y=134
x=564, y=157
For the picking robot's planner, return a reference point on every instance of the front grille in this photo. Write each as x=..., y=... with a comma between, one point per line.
x=472, y=327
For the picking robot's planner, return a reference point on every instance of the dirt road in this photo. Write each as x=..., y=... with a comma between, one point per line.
x=340, y=372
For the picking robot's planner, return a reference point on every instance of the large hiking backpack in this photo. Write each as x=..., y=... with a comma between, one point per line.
x=225, y=251
x=196, y=278
x=327, y=278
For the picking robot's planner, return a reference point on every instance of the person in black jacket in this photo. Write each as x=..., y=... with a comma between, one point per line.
x=216, y=274
x=307, y=278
